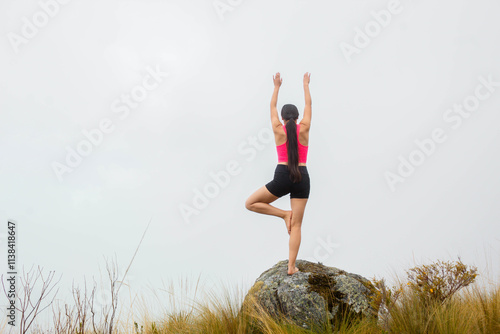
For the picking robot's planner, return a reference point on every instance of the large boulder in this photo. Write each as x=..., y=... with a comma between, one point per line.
x=314, y=295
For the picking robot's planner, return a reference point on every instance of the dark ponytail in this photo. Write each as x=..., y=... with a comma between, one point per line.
x=290, y=114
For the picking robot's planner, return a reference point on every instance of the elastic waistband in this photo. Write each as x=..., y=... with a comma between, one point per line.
x=284, y=168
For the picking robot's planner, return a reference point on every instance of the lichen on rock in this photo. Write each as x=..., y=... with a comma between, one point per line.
x=314, y=295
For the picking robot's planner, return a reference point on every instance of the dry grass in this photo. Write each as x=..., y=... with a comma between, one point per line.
x=474, y=309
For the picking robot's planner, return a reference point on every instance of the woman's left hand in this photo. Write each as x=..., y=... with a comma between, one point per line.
x=277, y=80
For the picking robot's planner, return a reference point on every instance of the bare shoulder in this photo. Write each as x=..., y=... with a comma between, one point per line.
x=279, y=134
x=278, y=128
x=304, y=134
x=304, y=126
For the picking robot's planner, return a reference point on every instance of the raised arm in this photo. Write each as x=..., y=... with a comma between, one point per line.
x=274, y=100
x=306, y=119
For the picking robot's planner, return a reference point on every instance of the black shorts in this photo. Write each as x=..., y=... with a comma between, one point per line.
x=282, y=184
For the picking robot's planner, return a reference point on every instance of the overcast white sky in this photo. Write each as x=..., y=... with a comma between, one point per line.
x=384, y=75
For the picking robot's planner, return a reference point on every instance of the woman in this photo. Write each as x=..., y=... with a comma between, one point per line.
x=291, y=175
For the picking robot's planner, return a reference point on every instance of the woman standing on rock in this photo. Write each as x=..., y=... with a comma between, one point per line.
x=291, y=175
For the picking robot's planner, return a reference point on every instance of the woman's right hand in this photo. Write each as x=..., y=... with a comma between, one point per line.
x=277, y=80
x=307, y=77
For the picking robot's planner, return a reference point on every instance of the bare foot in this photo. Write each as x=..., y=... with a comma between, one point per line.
x=288, y=221
x=291, y=272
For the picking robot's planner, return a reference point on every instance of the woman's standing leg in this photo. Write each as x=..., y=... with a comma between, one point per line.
x=298, y=207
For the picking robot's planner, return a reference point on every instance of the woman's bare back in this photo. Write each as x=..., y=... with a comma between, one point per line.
x=280, y=137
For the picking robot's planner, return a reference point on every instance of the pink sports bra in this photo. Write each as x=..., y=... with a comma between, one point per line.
x=283, y=153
